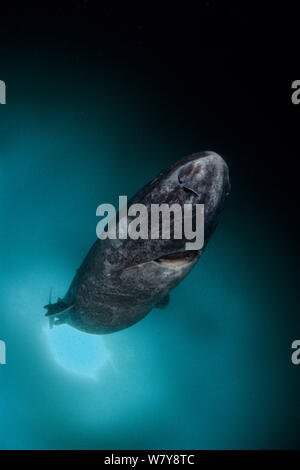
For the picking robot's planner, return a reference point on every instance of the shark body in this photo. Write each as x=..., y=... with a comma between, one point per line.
x=120, y=281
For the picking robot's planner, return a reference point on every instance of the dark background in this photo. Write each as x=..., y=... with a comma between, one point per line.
x=220, y=74
x=197, y=59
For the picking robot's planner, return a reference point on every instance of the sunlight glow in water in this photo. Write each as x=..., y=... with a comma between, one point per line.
x=77, y=352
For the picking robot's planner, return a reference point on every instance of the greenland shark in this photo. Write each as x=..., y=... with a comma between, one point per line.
x=121, y=280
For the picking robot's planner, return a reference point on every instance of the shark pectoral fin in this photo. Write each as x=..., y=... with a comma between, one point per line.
x=55, y=321
x=59, y=321
x=57, y=317
x=164, y=302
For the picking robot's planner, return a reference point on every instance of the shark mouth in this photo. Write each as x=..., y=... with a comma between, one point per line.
x=176, y=260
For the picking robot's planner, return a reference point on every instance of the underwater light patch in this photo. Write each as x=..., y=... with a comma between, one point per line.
x=76, y=352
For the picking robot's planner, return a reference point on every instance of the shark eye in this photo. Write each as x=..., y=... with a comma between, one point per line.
x=228, y=191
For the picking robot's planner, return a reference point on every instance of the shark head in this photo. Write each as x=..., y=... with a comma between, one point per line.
x=199, y=179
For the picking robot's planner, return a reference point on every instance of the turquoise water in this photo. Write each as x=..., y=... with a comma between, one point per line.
x=210, y=371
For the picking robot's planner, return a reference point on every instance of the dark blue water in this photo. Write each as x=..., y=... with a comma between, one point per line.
x=210, y=371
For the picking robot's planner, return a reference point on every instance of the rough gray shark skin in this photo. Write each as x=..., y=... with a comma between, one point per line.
x=120, y=281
